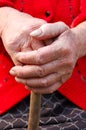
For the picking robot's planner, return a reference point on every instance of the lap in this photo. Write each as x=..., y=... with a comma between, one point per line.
x=57, y=113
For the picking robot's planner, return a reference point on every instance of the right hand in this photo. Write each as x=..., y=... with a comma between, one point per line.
x=16, y=30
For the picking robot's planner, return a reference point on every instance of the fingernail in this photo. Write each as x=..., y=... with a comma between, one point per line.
x=36, y=33
x=12, y=72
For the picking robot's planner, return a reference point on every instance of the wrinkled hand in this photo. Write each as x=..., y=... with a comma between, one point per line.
x=15, y=34
x=49, y=67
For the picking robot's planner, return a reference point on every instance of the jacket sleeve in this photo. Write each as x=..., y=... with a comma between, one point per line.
x=7, y=3
x=82, y=16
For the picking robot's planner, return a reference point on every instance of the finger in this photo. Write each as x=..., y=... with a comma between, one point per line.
x=46, y=90
x=26, y=71
x=35, y=44
x=32, y=71
x=65, y=77
x=27, y=57
x=40, y=82
x=49, y=30
x=41, y=56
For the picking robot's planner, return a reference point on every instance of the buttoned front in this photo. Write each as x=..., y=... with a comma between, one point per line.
x=49, y=10
x=40, y=9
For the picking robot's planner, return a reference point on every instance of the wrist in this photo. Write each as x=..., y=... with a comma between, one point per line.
x=80, y=34
x=4, y=16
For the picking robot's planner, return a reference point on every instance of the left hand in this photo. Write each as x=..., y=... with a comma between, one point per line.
x=16, y=34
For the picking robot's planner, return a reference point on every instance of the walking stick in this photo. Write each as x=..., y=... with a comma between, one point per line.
x=34, y=114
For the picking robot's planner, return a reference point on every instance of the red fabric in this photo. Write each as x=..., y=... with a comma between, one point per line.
x=82, y=16
x=10, y=91
x=6, y=3
x=72, y=13
x=75, y=89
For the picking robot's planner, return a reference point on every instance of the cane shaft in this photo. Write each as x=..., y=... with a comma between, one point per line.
x=34, y=114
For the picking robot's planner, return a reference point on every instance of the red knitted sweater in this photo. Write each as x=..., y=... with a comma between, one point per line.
x=72, y=12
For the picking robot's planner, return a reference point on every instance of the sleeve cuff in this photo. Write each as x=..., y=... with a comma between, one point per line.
x=78, y=20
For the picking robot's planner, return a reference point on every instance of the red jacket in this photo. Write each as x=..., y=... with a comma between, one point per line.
x=72, y=12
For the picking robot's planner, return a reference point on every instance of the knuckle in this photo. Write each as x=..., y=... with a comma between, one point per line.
x=39, y=57
x=44, y=83
x=63, y=24
x=40, y=21
x=40, y=72
x=45, y=27
x=19, y=73
x=66, y=50
x=56, y=76
x=51, y=91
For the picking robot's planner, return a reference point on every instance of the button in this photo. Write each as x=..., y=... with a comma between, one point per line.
x=47, y=13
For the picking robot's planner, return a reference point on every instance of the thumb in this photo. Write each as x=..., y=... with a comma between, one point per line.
x=49, y=30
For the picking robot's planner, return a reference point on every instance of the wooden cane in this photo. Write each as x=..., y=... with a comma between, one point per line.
x=34, y=114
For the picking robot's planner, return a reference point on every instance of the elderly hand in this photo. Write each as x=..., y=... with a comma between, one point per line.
x=49, y=67
x=15, y=29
